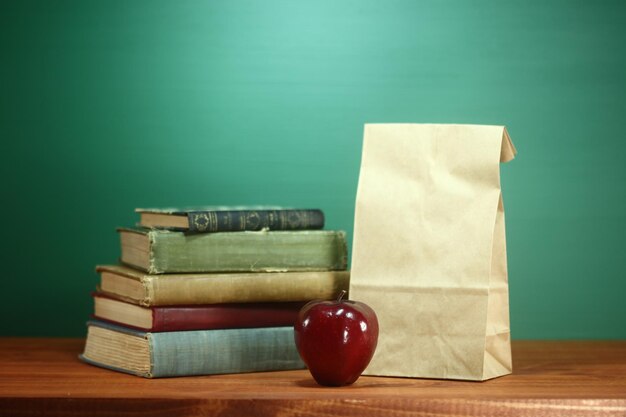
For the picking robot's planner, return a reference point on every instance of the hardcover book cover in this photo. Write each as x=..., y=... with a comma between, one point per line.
x=195, y=317
x=165, y=251
x=230, y=218
x=199, y=352
x=144, y=289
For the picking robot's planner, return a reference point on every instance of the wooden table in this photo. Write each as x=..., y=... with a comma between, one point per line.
x=44, y=377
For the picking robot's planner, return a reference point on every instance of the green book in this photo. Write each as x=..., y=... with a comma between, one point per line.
x=198, y=352
x=163, y=251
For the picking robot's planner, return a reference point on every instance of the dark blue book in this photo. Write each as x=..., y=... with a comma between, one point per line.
x=230, y=218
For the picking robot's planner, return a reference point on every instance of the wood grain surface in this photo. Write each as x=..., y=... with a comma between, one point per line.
x=44, y=377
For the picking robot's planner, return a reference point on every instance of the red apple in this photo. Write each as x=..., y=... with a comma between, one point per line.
x=336, y=339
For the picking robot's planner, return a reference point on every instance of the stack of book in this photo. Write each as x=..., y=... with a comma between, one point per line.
x=212, y=291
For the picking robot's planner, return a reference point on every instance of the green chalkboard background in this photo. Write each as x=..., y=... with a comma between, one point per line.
x=110, y=105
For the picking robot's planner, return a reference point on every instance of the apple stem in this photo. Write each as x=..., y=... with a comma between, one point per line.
x=341, y=294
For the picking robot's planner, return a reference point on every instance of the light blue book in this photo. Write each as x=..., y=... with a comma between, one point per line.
x=200, y=352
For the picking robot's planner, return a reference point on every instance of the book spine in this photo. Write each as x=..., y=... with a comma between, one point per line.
x=306, y=250
x=245, y=288
x=241, y=220
x=223, y=351
x=225, y=316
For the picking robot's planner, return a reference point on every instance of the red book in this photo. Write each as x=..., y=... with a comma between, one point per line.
x=195, y=317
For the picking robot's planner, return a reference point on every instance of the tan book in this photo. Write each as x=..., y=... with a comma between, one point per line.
x=137, y=287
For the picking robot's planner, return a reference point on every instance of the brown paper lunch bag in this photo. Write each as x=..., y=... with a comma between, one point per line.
x=429, y=250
